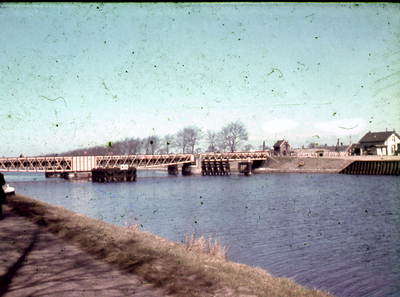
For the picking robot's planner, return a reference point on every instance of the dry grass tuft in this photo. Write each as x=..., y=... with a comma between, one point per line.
x=130, y=225
x=211, y=247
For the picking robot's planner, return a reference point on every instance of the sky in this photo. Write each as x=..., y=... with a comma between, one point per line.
x=76, y=75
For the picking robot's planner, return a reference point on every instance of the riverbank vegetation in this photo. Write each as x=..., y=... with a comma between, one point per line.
x=177, y=268
x=211, y=246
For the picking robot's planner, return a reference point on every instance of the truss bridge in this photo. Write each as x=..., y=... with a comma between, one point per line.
x=74, y=164
x=87, y=163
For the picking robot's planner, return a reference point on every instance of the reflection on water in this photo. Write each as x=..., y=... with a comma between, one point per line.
x=334, y=232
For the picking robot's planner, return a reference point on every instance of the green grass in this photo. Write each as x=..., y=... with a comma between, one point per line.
x=197, y=268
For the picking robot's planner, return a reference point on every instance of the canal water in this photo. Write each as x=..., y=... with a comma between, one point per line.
x=339, y=233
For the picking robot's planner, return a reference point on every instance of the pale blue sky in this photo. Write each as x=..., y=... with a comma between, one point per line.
x=288, y=71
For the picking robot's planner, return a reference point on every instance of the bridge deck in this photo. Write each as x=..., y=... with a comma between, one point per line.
x=87, y=163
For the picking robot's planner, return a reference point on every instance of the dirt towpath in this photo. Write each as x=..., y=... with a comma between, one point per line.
x=34, y=262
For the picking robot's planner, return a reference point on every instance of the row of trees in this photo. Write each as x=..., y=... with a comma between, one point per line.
x=184, y=141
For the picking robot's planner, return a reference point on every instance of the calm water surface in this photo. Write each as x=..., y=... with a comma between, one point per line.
x=340, y=233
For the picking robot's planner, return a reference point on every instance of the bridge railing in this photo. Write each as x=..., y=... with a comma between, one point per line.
x=143, y=160
x=236, y=156
x=87, y=163
x=37, y=164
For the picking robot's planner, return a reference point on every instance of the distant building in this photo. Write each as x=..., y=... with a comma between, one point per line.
x=378, y=143
x=282, y=148
x=351, y=149
x=332, y=150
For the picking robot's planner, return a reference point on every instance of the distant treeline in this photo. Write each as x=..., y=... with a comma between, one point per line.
x=185, y=141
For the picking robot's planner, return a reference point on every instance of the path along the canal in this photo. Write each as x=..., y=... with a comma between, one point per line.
x=36, y=262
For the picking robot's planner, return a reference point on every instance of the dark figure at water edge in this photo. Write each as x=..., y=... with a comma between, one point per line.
x=2, y=194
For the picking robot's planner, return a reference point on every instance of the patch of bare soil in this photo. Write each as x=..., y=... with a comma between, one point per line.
x=35, y=262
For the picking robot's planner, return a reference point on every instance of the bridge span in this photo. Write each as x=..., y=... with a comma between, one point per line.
x=76, y=164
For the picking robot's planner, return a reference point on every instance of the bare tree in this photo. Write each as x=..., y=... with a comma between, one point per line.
x=151, y=144
x=181, y=140
x=118, y=148
x=168, y=142
x=134, y=146
x=232, y=134
x=248, y=147
x=193, y=136
x=211, y=139
x=188, y=137
x=98, y=151
x=127, y=146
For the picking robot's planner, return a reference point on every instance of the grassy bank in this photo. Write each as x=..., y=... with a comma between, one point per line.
x=158, y=261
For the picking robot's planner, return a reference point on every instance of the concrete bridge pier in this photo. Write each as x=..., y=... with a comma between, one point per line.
x=196, y=168
x=245, y=167
x=52, y=174
x=192, y=168
x=186, y=170
x=76, y=175
x=68, y=175
x=173, y=169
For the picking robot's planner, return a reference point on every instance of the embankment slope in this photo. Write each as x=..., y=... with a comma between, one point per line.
x=158, y=261
x=303, y=165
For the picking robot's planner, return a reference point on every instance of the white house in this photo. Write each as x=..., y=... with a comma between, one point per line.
x=378, y=143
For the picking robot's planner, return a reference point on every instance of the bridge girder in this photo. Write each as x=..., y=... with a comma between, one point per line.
x=143, y=161
x=236, y=156
x=87, y=163
x=37, y=164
